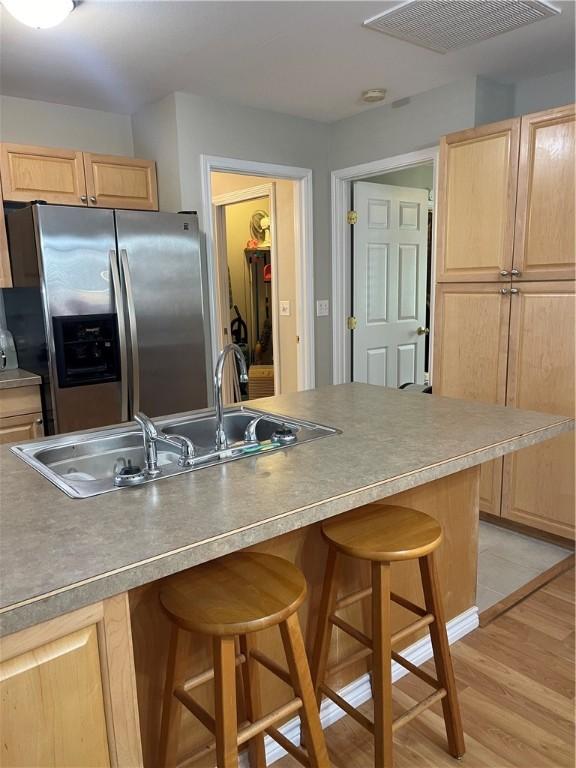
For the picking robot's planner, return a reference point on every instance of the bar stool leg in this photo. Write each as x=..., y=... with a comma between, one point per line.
x=225, y=702
x=381, y=665
x=302, y=681
x=171, y=707
x=442, y=657
x=250, y=676
x=324, y=628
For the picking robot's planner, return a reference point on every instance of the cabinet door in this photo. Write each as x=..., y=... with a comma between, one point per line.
x=5, y=271
x=42, y=173
x=68, y=691
x=539, y=481
x=470, y=356
x=121, y=182
x=17, y=429
x=545, y=247
x=476, y=202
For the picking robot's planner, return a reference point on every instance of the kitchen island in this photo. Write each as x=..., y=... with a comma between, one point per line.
x=62, y=555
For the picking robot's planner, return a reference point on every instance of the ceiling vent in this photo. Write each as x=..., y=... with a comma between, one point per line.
x=446, y=25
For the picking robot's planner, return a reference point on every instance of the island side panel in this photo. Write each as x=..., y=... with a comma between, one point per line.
x=452, y=500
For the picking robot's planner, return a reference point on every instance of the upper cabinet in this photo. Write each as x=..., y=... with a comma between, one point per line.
x=544, y=244
x=5, y=272
x=77, y=178
x=42, y=173
x=120, y=182
x=477, y=201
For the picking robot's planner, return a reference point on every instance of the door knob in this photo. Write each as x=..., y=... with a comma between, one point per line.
x=504, y=273
x=515, y=272
x=504, y=291
x=514, y=290
x=84, y=198
x=92, y=199
x=421, y=331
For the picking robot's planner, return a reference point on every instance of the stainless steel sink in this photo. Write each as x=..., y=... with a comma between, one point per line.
x=85, y=465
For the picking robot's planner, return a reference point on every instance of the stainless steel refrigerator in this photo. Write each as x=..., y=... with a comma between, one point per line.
x=108, y=306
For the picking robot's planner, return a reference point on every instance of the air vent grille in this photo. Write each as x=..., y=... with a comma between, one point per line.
x=446, y=25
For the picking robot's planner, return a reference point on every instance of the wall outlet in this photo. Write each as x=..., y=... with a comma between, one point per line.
x=285, y=308
x=322, y=308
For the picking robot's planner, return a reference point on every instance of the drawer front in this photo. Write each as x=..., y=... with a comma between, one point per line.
x=19, y=400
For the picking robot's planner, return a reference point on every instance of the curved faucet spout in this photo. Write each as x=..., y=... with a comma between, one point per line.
x=221, y=439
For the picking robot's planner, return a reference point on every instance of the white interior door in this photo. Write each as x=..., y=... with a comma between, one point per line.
x=389, y=296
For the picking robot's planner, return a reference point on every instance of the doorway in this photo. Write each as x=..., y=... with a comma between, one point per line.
x=382, y=270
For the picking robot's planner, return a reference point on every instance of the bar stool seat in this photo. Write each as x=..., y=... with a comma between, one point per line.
x=230, y=599
x=234, y=595
x=384, y=534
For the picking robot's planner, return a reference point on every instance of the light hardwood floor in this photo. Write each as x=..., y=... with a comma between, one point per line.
x=516, y=685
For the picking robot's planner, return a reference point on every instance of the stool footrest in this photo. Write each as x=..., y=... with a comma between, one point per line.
x=348, y=708
x=205, y=677
x=350, y=630
x=344, y=602
x=425, y=621
x=263, y=723
x=197, y=709
x=408, y=604
x=418, y=708
x=358, y=656
x=296, y=752
x=431, y=681
x=271, y=666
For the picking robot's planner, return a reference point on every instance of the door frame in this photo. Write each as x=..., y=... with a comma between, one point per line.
x=219, y=202
x=341, y=188
x=304, y=252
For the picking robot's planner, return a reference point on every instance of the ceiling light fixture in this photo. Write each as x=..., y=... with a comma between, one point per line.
x=40, y=14
x=372, y=95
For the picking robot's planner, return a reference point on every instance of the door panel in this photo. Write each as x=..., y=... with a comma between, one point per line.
x=390, y=259
x=539, y=481
x=477, y=200
x=163, y=277
x=5, y=270
x=17, y=429
x=470, y=358
x=42, y=173
x=545, y=247
x=121, y=182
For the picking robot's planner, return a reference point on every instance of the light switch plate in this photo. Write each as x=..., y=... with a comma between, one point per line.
x=322, y=308
x=285, y=308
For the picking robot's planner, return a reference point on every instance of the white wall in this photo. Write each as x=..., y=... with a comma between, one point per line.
x=24, y=121
x=540, y=93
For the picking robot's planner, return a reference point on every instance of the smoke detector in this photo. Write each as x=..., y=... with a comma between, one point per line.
x=446, y=25
x=373, y=95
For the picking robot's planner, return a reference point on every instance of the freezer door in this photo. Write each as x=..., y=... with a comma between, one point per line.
x=163, y=287
x=75, y=247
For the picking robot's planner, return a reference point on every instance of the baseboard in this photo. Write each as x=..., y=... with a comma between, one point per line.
x=359, y=691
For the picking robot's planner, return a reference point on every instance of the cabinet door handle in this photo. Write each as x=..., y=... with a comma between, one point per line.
x=84, y=198
x=504, y=291
x=515, y=272
x=504, y=273
x=514, y=290
x=38, y=421
x=92, y=199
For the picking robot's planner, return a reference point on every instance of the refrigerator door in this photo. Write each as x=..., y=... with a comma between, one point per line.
x=75, y=247
x=163, y=287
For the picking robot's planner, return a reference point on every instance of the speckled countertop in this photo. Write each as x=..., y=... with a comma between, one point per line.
x=17, y=377
x=57, y=553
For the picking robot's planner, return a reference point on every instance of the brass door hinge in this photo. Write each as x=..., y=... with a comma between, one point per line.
x=352, y=217
x=351, y=323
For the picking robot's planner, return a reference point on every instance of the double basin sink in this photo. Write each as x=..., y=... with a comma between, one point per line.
x=84, y=465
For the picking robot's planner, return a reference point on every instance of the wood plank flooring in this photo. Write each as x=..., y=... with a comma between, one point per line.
x=516, y=685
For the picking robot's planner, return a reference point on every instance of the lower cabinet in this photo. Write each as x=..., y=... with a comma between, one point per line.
x=539, y=482
x=68, y=691
x=20, y=414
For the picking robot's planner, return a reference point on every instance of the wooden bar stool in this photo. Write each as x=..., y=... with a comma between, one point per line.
x=384, y=534
x=238, y=595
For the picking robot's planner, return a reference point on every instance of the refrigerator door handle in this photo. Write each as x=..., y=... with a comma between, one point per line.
x=119, y=306
x=135, y=400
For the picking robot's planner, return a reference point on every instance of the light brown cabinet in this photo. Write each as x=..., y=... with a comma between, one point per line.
x=539, y=481
x=510, y=339
x=476, y=202
x=69, y=177
x=68, y=691
x=5, y=273
x=20, y=414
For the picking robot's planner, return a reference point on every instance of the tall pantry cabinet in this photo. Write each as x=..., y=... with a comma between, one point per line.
x=504, y=327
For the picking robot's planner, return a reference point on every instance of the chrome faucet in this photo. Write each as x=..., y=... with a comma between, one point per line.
x=152, y=436
x=221, y=439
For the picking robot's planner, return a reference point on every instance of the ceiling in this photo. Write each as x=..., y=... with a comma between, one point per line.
x=305, y=58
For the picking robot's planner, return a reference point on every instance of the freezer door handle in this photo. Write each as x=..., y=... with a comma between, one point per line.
x=135, y=379
x=119, y=306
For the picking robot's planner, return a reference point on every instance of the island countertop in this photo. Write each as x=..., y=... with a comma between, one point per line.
x=58, y=553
